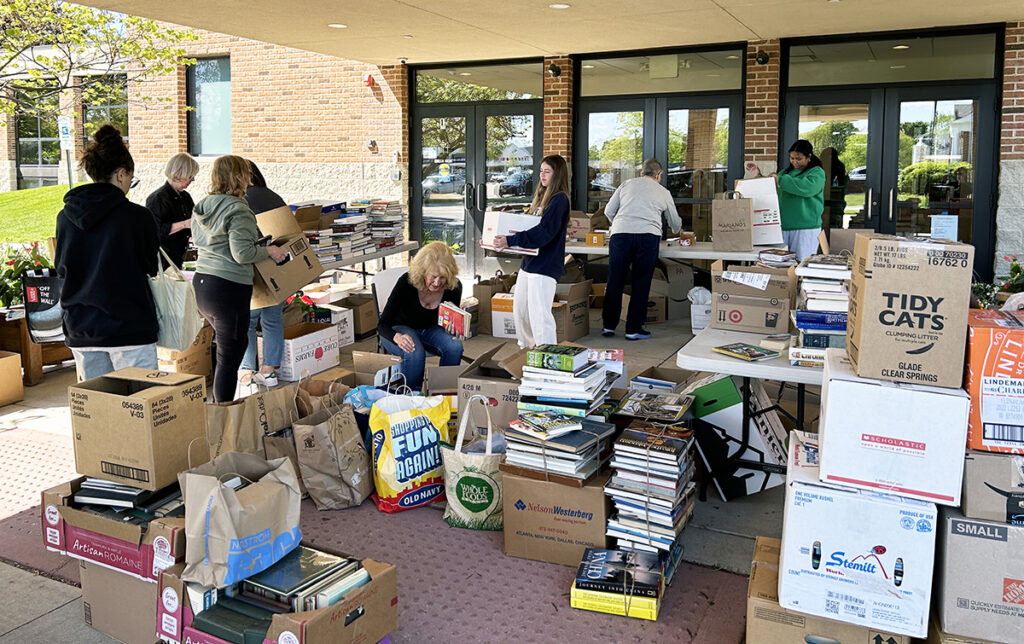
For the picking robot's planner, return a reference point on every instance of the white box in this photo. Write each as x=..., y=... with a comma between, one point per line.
x=767, y=215
x=852, y=555
x=700, y=317
x=308, y=347
x=503, y=321
x=898, y=438
x=507, y=223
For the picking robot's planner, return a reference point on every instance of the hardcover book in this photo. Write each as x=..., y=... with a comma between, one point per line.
x=557, y=357
x=620, y=572
x=744, y=351
x=454, y=320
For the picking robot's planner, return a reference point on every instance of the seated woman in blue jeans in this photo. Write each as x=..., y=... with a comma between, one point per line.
x=408, y=324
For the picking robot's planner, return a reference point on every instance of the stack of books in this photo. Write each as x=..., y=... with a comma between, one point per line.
x=652, y=487
x=575, y=448
x=560, y=378
x=822, y=305
x=619, y=582
x=455, y=320
x=776, y=258
x=351, y=233
x=387, y=223
x=126, y=503
x=660, y=406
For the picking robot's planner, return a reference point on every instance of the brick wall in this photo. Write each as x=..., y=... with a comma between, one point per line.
x=761, y=128
x=558, y=109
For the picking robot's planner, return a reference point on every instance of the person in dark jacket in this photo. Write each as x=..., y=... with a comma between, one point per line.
x=408, y=324
x=106, y=250
x=271, y=318
x=172, y=206
x=535, y=287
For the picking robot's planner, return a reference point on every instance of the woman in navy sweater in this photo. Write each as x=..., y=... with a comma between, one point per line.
x=535, y=287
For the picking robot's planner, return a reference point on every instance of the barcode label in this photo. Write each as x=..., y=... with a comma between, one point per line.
x=998, y=432
x=87, y=613
x=845, y=598
x=124, y=471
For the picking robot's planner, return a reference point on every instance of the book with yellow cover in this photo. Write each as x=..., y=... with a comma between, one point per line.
x=614, y=604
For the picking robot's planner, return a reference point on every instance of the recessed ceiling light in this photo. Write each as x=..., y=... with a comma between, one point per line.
x=897, y=66
x=588, y=67
x=407, y=36
x=714, y=75
x=465, y=73
x=836, y=1
x=901, y=46
x=337, y=25
x=732, y=57
x=559, y=5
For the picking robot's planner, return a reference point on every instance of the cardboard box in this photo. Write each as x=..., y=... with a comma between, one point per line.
x=496, y=379
x=503, y=321
x=129, y=549
x=507, y=223
x=571, y=310
x=134, y=426
x=664, y=379
x=364, y=313
x=197, y=359
x=581, y=223
x=308, y=347
x=551, y=522
x=700, y=317
x=769, y=623
x=657, y=309
x=857, y=556
x=11, y=388
x=749, y=314
x=937, y=636
x=444, y=381
x=340, y=316
x=376, y=369
x=365, y=614
x=121, y=606
x=767, y=215
x=597, y=295
x=995, y=380
x=868, y=440
x=307, y=216
x=595, y=239
x=908, y=309
x=340, y=374
x=981, y=579
x=994, y=487
x=272, y=283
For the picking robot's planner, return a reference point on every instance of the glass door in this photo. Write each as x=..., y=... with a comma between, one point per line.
x=614, y=137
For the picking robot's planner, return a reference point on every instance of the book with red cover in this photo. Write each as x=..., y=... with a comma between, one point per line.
x=454, y=320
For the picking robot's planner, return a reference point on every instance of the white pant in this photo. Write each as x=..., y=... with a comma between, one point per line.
x=803, y=242
x=531, y=307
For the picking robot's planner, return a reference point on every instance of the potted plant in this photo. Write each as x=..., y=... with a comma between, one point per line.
x=17, y=259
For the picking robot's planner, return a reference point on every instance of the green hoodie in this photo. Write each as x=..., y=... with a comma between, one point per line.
x=224, y=230
x=801, y=198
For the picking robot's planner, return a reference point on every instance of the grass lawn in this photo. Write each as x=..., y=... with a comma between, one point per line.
x=30, y=215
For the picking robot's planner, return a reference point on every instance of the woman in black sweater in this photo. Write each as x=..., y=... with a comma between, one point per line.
x=408, y=325
x=172, y=206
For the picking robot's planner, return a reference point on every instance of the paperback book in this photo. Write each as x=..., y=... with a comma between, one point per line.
x=744, y=351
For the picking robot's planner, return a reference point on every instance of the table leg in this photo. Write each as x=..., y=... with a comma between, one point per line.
x=800, y=406
x=31, y=357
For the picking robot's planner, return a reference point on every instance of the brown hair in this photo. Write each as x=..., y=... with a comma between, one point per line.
x=559, y=183
x=105, y=154
x=230, y=176
x=435, y=256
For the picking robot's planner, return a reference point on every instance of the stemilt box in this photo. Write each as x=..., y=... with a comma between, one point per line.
x=853, y=555
x=893, y=437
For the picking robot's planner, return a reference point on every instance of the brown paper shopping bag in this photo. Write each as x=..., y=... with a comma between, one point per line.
x=239, y=426
x=231, y=534
x=282, y=445
x=483, y=290
x=313, y=395
x=732, y=223
x=333, y=461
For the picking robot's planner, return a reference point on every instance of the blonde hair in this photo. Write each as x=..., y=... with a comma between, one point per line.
x=434, y=257
x=181, y=167
x=230, y=176
x=559, y=183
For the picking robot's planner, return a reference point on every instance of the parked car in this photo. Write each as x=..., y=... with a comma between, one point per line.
x=436, y=184
x=496, y=177
x=518, y=184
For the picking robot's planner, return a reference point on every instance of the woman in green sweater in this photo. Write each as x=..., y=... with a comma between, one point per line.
x=801, y=189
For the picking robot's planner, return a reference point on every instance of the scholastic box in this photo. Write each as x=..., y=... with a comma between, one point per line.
x=273, y=282
x=551, y=522
x=908, y=309
x=769, y=623
x=11, y=388
x=994, y=487
x=496, y=379
x=308, y=347
x=134, y=426
x=197, y=359
x=981, y=578
x=868, y=440
x=995, y=380
x=136, y=550
x=857, y=556
x=121, y=606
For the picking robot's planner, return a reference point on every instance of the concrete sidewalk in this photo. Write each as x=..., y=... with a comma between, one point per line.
x=37, y=609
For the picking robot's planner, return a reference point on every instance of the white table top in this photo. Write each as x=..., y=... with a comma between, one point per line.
x=697, y=250
x=391, y=250
x=698, y=356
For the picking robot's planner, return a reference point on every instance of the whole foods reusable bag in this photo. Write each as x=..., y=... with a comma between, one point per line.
x=406, y=433
x=472, y=482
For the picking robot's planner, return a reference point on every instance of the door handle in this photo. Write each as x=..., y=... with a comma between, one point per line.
x=868, y=205
x=481, y=197
x=892, y=203
x=468, y=194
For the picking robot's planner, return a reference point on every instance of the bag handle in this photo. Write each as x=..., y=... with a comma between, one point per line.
x=171, y=266
x=189, y=448
x=244, y=478
x=465, y=422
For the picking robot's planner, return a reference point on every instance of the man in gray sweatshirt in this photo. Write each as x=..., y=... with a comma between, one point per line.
x=636, y=211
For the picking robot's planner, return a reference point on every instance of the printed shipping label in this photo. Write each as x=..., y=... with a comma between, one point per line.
x=1002, y=411
x=753, y=280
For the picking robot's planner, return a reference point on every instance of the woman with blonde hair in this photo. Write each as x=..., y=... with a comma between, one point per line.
x=172, y=206
x=224, y=230
x=535, y=287
x=408, y=325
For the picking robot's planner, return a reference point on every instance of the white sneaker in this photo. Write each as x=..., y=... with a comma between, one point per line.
x=268, y=380
x=246, y=389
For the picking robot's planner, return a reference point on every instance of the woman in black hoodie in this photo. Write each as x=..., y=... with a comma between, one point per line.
x=106, y=251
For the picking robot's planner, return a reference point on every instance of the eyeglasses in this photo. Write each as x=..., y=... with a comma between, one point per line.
x=134, y=183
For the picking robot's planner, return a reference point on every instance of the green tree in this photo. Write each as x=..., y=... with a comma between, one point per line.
x=856, y=152
x=831, y=134
x=48, y=47
x=628, y=146
x=722, y=143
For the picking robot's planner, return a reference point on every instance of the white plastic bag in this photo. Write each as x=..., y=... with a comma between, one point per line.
x=176, y=308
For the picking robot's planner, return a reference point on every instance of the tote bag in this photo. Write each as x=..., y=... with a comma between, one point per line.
x=472, y=482
x=176, y=308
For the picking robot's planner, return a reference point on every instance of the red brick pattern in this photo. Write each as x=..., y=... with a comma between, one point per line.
x=762, y=123
x=1012, y=139
x=558, y=109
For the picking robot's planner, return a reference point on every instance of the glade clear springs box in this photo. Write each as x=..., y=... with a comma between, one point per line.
x=851, y=555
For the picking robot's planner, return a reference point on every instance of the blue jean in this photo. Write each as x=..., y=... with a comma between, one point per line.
x=102, y=360
x=272, y=324
x=433, y=339
x=636, y=253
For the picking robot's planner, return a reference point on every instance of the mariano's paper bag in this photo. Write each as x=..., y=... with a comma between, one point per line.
x=406, y=434
x=332, y=458
x=231, y=534
x=240, y=425
x=732, y=223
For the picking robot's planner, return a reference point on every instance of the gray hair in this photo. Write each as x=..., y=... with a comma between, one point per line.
x=651, y=168
x=181, y=167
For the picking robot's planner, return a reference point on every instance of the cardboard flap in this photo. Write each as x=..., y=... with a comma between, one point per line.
x=575, y=291
x=484, y=358
x=371, y=363
x=280, y=222
x=162, y=378
x=514, y=363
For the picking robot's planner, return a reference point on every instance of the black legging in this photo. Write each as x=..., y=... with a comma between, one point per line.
x=225, y=305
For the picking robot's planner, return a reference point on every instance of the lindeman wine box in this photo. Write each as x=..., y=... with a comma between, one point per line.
x=908, y=309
